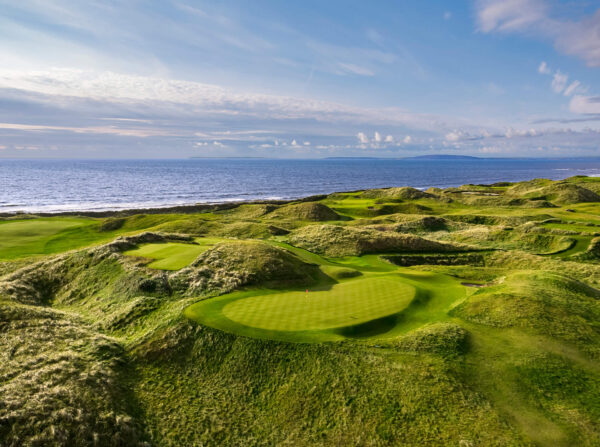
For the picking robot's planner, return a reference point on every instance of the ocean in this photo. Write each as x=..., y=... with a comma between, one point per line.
x=95, y=185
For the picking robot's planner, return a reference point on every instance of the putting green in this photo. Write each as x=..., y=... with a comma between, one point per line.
x=172, y=255
x=345, y=304
x=375, y=305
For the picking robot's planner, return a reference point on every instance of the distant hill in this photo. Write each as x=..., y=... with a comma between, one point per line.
x=442, y=157
x=419, y=157
x=352, y=158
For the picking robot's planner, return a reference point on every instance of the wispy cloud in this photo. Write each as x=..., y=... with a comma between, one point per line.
x=579, y=38
x=572, y=88
x=543, y=68
x=585, y=105
x=559, y=81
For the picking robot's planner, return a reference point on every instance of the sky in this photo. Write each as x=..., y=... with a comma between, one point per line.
x=307, y=79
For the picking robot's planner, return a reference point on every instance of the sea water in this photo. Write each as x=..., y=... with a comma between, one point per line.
x=86, y=185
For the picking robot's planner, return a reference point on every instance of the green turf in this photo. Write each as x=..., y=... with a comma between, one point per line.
x=19, y=238
x=345, y=304
x=172, y=255
x=379, y=304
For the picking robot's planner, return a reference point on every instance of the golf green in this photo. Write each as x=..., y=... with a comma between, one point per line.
x=172, y=255
x=374, y=305
x=345, y=304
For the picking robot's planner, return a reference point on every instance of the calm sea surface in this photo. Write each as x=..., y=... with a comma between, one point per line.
x=65, y=185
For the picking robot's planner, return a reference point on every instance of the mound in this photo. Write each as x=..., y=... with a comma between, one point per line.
x=403, y=193
x=334, y=240
x=566, y=194
x=422, y=224
x=593, y=251
x=246, y=230
x=230, y=265
x=548, y=303
x=60, y=383
x=311, y=211
x=272, y=387
x=250, y=211
x=522, y=188
x=527, y=237
x=193, y=225
x=96, y=278
x=112, y=224
x=562, y=193
x=440, y=338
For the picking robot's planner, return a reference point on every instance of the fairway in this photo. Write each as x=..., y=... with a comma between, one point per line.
x=19, y=238
x=172, y=255
x=346, y=304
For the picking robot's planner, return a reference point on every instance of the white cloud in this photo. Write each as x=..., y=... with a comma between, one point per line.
x=585, y=104
x=407, y=139
x=377, y=137
x=104, y=130
x=454, y=135
x=374, y=36
x=511, y=133
x=572, y=88
x=543, y=68
x=174, y=97
x=579, y=38
x=355, y=69
x=509, y=15
x=559, y=81
x=362, y=138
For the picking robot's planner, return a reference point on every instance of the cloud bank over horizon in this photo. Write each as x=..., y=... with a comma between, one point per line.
x=180, y=79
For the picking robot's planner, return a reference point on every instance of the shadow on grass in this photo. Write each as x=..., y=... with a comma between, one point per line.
x=385, y=324
x=370, y=328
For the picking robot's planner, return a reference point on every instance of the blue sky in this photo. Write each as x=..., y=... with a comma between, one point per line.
x=299, y=79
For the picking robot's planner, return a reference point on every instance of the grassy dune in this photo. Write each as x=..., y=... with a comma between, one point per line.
x=462, y=316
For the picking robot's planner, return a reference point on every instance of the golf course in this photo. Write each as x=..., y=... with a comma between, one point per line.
x=461, y=316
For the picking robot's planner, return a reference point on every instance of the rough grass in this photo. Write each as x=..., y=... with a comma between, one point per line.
x=311, y=211
x=338, y=241
x=63, y=384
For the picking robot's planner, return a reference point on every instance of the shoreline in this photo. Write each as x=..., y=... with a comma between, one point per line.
x=168, y=209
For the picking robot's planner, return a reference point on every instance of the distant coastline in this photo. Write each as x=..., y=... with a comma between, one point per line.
x=418, y=157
